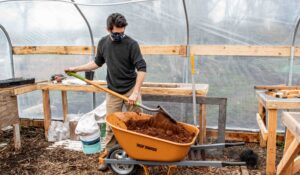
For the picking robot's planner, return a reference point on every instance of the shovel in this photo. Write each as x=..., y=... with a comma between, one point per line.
x=159, y=109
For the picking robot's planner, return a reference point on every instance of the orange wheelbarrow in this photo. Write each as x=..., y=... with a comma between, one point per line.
x=140, y=149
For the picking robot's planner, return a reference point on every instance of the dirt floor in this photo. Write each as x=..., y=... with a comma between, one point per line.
x=34, y=158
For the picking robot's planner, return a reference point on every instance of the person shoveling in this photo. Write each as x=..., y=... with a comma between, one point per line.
x=123, y=57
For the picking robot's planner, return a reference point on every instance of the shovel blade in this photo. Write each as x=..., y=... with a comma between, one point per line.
x=166, y=114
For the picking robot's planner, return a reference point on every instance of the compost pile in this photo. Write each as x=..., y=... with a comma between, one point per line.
x=161, y=127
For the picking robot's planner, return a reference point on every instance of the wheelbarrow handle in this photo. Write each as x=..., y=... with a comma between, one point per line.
x=216, y=145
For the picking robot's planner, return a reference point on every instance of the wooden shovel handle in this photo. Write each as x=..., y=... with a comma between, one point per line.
x=98, y=86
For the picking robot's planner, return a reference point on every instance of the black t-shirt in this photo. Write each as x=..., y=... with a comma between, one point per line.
x=122, y=60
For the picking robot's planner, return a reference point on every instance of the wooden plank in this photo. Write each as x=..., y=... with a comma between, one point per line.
x=202, y=124
x=296, y=167
x=222, y=121
x=243, y=136
x=288, y=140
x=244, y=170
x=32, y=122
x=277, y=87
x=87, y=50
x=271, y=143
x=262, y=127
x=8, y=109
x=171, y=91
x=47, y=111
x=25, y=89
x=242, y=50
x=288, y=157
x=182, y=91
x=163, y=50
x=64, y=104
x=262, y=113
x=292, y=104
x=17, y=137
x=230, y=50
x=60, y=50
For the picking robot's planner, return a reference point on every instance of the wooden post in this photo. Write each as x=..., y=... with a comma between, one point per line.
x=222, y=120
x=47, y=111
x=271, y=146
x=17, y=137
x=288, y=158
x=288, y=140
x=64, y=104
x=262, y=113
x=202, y=124
x=296, y=166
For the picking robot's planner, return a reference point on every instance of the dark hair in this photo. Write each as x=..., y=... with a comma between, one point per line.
x=117, y=20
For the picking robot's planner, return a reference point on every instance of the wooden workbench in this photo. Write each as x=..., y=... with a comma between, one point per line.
x=155, y=89
x=9, y=109
x=267, y=109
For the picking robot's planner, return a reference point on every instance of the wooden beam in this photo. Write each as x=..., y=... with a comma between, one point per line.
x=202, y=124
x=47, y=111
x=288, y=140
x=242, y=50
x=296, y=167
x=288, y=157
x=8, y=109
x=225, y=50
x=64, y=104
x=26, y=122
x=182, y=90
x=276, y=87
x=24, y=89
x=17, y=137
x=86, y=50
x=262, y=127
x=271, y=142
x=262, y=114
x=163, y=50
x=59, y=50
x=244, y=170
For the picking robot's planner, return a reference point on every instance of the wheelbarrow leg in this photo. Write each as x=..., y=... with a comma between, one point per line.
x=171, y=169
x=146, y=170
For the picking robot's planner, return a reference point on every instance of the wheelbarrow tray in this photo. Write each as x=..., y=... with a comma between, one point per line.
x=144, y=147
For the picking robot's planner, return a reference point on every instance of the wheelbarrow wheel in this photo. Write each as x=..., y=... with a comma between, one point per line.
x=118, y=153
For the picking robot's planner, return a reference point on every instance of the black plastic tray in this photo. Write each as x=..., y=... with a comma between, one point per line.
x=16, y=82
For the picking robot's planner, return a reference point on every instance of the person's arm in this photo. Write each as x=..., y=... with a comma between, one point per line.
x=137, y=88
x=86, y=67
x=92, y=65
x=140, y=65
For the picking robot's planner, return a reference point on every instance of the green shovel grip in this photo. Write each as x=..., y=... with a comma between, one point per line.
x=73, y=74
x=137, y=103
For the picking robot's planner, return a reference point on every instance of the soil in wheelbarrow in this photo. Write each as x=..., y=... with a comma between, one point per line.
x=161, y=127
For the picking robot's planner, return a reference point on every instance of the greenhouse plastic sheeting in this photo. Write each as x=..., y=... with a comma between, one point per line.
x=4, y=58
x=158, y=22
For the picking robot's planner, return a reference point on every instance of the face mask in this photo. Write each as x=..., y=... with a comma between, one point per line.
x=117, y=37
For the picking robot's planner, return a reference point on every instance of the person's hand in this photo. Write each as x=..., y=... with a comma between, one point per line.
x=71, y=69
x=133, y=98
